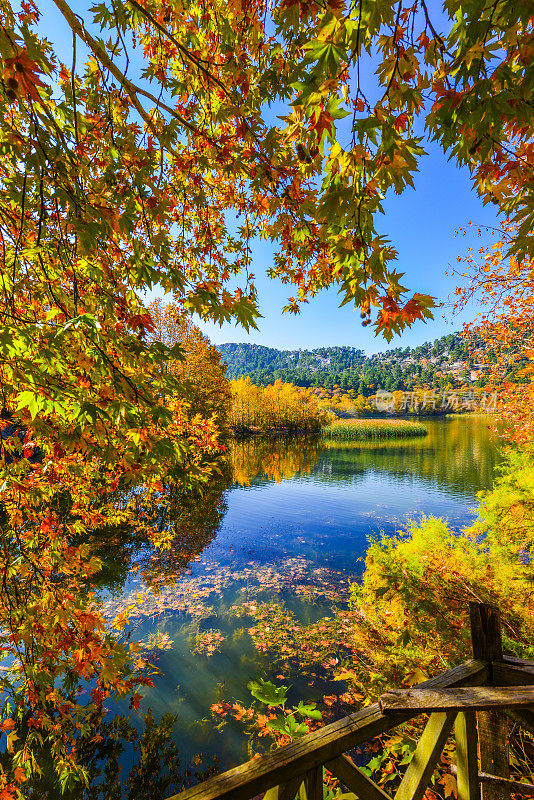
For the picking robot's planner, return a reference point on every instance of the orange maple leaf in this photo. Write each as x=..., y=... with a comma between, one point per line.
x=323, y=122
x=20, y=774
x=21, y=75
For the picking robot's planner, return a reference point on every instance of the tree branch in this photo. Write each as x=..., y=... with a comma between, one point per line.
x=131, y=90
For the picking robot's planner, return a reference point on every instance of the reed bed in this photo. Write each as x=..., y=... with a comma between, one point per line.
x=373, y=429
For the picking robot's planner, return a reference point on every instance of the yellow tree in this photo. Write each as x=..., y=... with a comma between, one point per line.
x=278, y=405
x=197, y=363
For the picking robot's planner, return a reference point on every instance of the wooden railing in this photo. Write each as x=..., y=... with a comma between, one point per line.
x=474, y=699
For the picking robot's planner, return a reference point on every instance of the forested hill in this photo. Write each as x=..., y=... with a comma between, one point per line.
x=449, y=360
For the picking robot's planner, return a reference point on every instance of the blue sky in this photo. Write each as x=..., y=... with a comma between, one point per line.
x=421, y=224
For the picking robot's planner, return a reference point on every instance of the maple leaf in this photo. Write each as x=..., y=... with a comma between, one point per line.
x=329, y=700
x=21, y=75
x=415, y=676
x=323, y=122
x=423, y=39
x=401, y=123
x=450, y=785
x=336, y=5
x=19, y=774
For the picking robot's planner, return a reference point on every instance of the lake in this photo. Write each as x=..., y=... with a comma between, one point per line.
x=288, y=525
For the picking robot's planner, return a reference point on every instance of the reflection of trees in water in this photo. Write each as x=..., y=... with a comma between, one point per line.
x=257, y=459
x=191, y=518
x=151, y=755
x=194, y=519
x=458, y=454
x=125, y=760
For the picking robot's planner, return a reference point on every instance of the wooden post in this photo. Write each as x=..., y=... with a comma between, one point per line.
x=485, y=632
x=289, y=790
x=314, y=783
x=425, y=758
x=492, y=725
x=465, y=731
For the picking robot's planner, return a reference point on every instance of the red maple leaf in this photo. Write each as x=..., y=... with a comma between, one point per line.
x=401, y=122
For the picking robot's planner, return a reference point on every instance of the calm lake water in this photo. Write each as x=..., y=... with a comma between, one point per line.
x=294, y=517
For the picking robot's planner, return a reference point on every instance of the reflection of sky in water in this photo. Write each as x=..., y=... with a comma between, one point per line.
x=323, y=518
x=326, y=521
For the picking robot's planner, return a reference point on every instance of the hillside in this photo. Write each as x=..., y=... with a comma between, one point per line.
x=449, y=360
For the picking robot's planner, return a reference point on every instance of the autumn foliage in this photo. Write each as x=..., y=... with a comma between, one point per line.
x=194, y=169
x=278, y=406
x=198, y=367
x=155, y=164
x=503, y=287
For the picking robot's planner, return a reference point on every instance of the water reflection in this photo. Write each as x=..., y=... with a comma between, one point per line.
x=120, y=762
x=194, y=518
x=459, y=455
x=191, y=518
x=290, y=519
x=257, y=460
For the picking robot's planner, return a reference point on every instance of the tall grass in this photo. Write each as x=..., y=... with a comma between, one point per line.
x=373, y=429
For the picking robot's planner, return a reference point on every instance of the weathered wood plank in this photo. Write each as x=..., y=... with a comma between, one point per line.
x=505, y=674
x=319, y=746
x=355, y=780
x=518, y=662
x=314, y=783
x=465, y=732
x=429, y=748
x=494, y=757
x=473, y=698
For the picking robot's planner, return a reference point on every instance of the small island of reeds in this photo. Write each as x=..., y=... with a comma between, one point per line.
x=373, y=428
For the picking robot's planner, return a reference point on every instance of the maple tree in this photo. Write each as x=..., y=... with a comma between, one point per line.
x=503, y=287
x=110, y=189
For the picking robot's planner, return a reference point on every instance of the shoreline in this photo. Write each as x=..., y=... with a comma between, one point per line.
x=241, y=433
